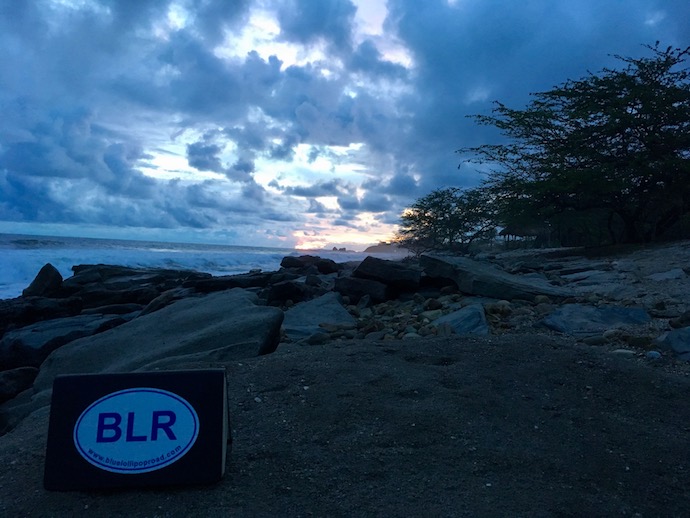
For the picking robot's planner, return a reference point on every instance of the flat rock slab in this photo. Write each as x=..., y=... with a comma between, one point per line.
x=304, y=319
x=670, y=275
x=518, y=425
x=204, y=327
x=591, y=275
x=477, y=278
x=391, y=273
x=582, y=320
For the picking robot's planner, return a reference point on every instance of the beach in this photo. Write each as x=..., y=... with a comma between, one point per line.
x=509, y=426
x=379, y=409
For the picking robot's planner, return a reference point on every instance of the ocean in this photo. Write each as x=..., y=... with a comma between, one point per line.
x=22, y=256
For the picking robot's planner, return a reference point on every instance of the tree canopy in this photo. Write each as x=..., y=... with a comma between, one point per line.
x=611, y=149
x=447, y=219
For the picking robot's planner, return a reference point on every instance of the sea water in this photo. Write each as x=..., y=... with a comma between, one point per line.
x=22, y=256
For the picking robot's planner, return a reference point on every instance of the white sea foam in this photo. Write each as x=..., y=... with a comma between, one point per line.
x=21, y=257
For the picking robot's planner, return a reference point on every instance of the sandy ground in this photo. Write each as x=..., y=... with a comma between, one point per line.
x=524, y=425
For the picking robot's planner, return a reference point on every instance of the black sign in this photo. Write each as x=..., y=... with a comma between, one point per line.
x=138, y=429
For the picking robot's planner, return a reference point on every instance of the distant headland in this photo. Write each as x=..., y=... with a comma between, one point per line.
x=385, y=248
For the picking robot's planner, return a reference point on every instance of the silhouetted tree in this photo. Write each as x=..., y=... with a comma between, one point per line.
x=615, y=144
x=448, y=219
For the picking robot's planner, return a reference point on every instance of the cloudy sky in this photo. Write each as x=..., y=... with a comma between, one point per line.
x=302, y=123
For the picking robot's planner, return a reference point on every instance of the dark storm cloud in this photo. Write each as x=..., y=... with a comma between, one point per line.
x=471, y=53
x=333, y=187
x=316, y=207
x=349, y=203
x=401, y=184
x=204, y=157
x=241, y=171
x=26, y=198
x=251, y=137
x=286, y=149
x=368, y=59
x=202, y=83
x=306, y=20
x=374, y=202
x=213, y=18
x=281, y=216
x=348, y=221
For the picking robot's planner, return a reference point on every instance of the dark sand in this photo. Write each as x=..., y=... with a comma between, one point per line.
x=523, y=425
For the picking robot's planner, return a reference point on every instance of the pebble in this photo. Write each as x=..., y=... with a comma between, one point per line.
x=432, y=315
x=432, y=304
x=653, y=355
x=595, y=340
x=624, y=352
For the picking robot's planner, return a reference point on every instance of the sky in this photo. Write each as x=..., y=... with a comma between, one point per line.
x=286, y=123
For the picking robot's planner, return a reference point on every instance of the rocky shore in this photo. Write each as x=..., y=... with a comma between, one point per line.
x=629, y=307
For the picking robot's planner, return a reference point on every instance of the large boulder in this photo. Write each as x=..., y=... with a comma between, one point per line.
x=582, y=320
x=15, y=381
x=395, y=274
x=111, y=284
x=470, y=320
x=481, y=279
x=297, y=291
x=227, y=282
x=46, y=284
x=222, y=326
x=124, y=276
x=355, y=289
x=303, y=262
x=30, y=345
x=309, y=318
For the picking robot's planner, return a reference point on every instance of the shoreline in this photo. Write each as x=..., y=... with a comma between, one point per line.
x=23, y=256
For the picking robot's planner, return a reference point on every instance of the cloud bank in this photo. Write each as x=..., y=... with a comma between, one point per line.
x=286, y=122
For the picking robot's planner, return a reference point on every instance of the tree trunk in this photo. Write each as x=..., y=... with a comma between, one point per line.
x=630, y=233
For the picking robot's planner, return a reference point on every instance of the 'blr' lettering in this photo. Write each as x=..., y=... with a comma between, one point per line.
x=109, y=429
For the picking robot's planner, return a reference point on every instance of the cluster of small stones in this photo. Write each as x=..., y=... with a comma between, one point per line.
x=414, y=318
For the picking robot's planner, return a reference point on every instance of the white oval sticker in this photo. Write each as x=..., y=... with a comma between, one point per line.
x=136, y=430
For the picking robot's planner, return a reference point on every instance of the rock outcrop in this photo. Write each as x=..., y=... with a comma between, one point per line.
x=481, y=279
x=225, y=325
x=312, y=320
x=109, y=318
x=396, y=275
x=30, y=345
x=46, y=284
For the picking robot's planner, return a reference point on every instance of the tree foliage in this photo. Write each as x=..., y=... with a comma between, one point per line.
x=614, y=147
x=448, y=219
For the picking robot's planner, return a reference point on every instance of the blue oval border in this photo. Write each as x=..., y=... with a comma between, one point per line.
x=143, y=469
